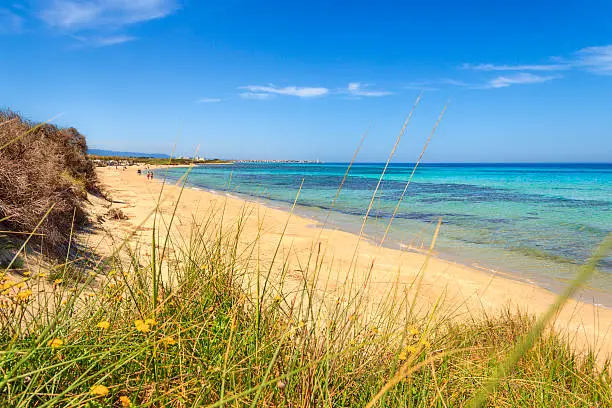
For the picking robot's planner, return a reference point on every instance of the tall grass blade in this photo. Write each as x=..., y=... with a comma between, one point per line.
x=523, y=345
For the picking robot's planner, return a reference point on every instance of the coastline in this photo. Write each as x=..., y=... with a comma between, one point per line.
x=554, y=283
x=467, y=290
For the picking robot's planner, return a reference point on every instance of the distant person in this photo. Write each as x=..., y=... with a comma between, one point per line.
x=139, y=172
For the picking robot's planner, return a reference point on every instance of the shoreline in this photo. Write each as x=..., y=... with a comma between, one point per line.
x=467, y=289
x=549, y=283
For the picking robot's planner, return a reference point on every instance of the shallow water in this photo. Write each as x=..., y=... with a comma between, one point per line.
x=538, y=220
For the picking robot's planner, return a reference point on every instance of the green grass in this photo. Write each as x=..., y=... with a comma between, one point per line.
x=219, y=342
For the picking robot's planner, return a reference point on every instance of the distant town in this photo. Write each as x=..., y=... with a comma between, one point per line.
x=278, y=161
x=103, y=161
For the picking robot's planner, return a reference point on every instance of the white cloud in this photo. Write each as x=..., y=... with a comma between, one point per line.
x=105, y=41
x=522, y=78
x=208, y=100
x=10, y=22
x=356, y=89
x=359, y=89
x=76, y=15
x=493, y=67
x=595, y=59
x=455, y=82
x=302, y=92
x=256, y=95
x=437, y=84
x=68, y=14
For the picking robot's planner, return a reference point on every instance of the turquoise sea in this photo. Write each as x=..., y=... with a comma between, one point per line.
x=536, y=221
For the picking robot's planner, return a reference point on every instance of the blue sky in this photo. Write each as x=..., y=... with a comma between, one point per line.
x=528, y=81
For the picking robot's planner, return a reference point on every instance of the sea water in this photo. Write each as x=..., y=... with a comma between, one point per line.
x=538, y=221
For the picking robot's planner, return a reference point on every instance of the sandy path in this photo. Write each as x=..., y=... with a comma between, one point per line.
x=466, y=290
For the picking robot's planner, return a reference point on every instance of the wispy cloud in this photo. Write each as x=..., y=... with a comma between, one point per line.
x=456, y=82
x=208, y=100
x=522, y=78
x=595, y=59
x=360, y=89
x=437, y=84
x=302, y=92
x=104, y=41
x=354, y=89
x=256, y=95
x=10, y=22
x=503, y=67
x=100, y=23
x=88, y=14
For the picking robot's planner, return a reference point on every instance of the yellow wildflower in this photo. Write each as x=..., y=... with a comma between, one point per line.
x=27, y=273
x=425, y=343
x=99, y=390
x=125, y=401
x=413, y=330
x=55, y=343
x=169, y=341
x=92, y=274
x=277, y=298
x=58, y=281
x=24, y=295
x=43, y=275
x=141, y=326
x=150, y=322
x=104, y=324
x=403, y=355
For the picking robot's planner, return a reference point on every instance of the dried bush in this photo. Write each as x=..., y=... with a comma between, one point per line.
x=42, y=168
x=116, y=214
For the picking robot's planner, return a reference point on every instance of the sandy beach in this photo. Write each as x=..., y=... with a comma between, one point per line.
x=458, y=289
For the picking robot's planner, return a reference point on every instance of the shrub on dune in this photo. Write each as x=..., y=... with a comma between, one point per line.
x=44, y=177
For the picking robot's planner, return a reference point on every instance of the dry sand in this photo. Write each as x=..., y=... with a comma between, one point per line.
x=465, y=290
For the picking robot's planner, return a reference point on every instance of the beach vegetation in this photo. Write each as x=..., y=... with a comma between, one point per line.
x=44, y=177
x=171, y=320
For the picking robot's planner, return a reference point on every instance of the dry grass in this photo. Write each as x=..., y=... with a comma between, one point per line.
x=42, y=167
